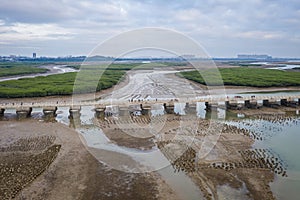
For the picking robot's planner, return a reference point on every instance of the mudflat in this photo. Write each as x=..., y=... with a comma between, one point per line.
x=71, y=173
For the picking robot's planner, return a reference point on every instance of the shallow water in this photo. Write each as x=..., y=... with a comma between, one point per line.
x=184, y=187
x=281, y=137
x=286, y=144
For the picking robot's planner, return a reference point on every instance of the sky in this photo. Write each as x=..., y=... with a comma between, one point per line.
x=223, y=28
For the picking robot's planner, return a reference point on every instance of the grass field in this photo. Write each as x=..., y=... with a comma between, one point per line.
x=61, y=84
x=244, y=76
x=11, y=69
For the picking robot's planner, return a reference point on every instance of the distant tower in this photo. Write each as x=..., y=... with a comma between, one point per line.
x=34, y=55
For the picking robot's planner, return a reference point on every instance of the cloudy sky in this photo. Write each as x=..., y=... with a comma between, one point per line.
x=224, y=28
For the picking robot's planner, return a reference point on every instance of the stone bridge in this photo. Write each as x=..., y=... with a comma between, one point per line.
x=105, y=107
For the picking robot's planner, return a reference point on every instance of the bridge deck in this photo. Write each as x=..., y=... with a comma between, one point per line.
x=124, y=103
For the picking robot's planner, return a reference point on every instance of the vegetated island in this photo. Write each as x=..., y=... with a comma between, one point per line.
x=244, y=76
x=12, y=69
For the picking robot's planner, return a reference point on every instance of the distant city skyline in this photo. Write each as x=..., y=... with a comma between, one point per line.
x=224, y=28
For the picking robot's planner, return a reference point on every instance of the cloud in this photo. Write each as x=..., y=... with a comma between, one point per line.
x=2, y=22
x=22, y=31
x=34, y=11
x=54, y=11
x=260, y=35
x=93, y=21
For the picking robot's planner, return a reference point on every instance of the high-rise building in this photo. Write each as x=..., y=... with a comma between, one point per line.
x=34, y=55
x=254, y=56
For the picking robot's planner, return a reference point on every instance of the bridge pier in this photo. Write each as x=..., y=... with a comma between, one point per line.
x=270, y=103
x=284, y=102
x=207, y=106
x=74, y=112
x=112, y=110
x=23, y=113
x=231, y=105
x=266, y=102
x=169, y=108
x=294, y=104
x=100, y=112
x=251, y=103
x=211, y=106
x=234, y=105
x=2, y=110
x=291, y=103
x=50, y=111
x=75, y=121
x=146, y=109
